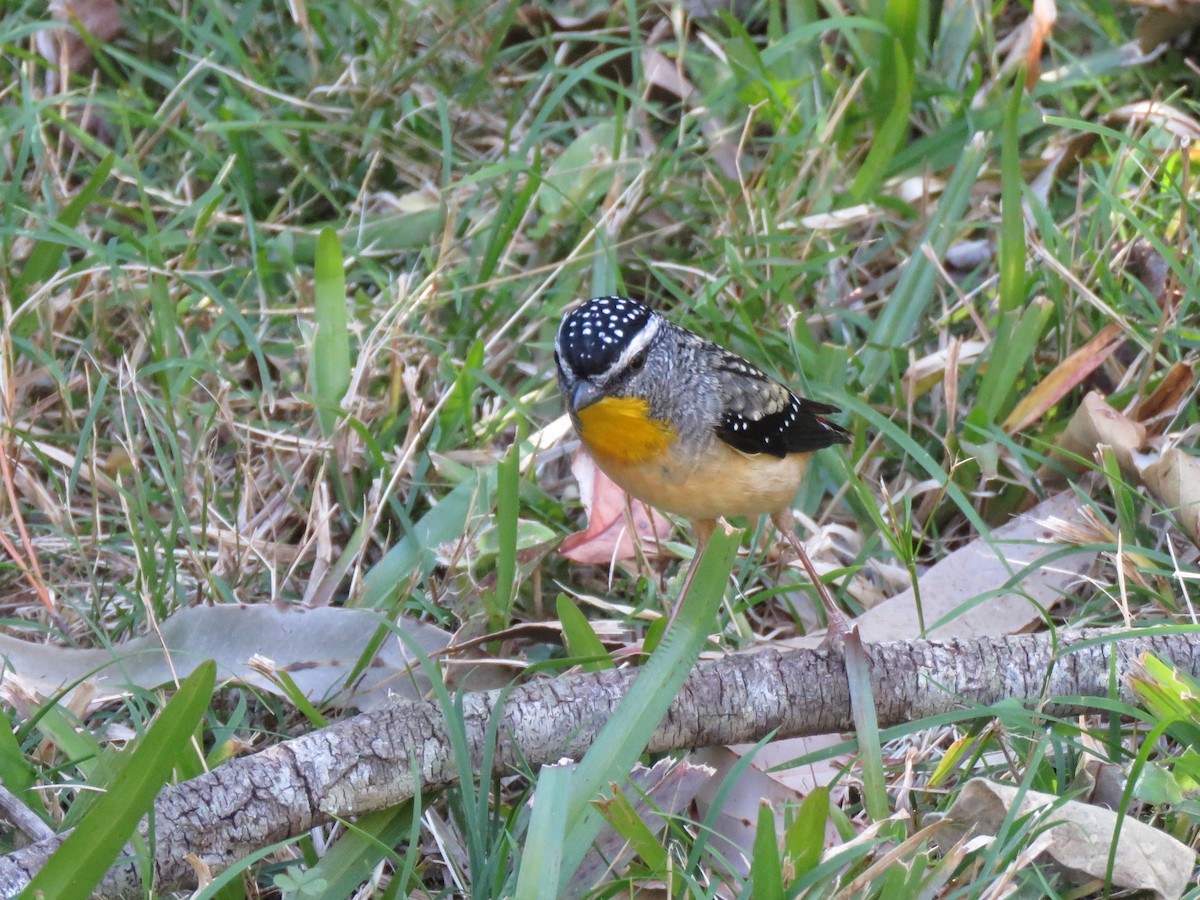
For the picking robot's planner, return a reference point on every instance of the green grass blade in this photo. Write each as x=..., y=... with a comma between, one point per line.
x=804, y=839
x=541, y=863
x=331, y=343
x=44, y=257
x=628, y=822
x=88, y=852
x=906, y=308
x=16, y=773
x=866, y=729
x=444, y=522
x=581, y=639
x=891, y=132
x=1012, y=219
x=367, y=841
x=508, y=505
x=1016, y=337
x=623, y=738
x=766, y=868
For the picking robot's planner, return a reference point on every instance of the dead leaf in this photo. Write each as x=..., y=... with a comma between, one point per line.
x=1142, y=113
x=1175, y=482
x=317, y=646
x=1166, y=400
x=664, y=790
x=1080, y=838
x=1164, y=21
x=606, y=538
x=1063, y=158
x=1101, y=780
x=736, y=823
x=664, y=76
x=1148, y=266
x=966, y=594
x=99, y=19
x=838, y=218
x=1096, y=423
x=1041, y=23
x=1067, y=375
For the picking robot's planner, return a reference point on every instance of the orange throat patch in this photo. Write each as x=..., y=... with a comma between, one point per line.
x=620, y=428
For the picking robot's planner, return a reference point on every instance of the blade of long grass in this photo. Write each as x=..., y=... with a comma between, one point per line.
x=909, y=301
x=623, y=738
x=508, y=506
x=1012, y=218
x=444, y=522
x=367, y=841
x=804, y=839
x=88, y=852
x=890, y=134
x=331, y=343
x=46, y=252
x=541, y=863
x=866, y=728
x=582, y=642
x=766, y=868
x=1016, y=339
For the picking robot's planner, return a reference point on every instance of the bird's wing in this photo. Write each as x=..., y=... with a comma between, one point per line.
x=760, y=415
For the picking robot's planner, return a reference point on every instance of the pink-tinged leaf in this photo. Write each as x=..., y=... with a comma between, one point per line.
x=1066, y=376
x=607, y=537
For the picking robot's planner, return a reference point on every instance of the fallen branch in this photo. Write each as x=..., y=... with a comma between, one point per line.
x=377, y=759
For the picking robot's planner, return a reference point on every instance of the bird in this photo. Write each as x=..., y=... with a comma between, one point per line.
x=685, y=425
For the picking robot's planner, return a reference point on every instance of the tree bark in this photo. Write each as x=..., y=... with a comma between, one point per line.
x=376, y=759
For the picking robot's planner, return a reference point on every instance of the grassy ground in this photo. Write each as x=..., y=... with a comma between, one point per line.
x=833, y=195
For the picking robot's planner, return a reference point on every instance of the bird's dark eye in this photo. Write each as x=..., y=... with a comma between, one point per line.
x=639, y=360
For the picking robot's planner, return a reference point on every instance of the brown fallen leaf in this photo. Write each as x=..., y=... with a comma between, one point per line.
x=770, y=777
x=607, y=537
x=1148, y=266
x=1166, y=400
x=966, y=594
x=1078, y=838
x=1067, y=375
x=1175, y=482
x=1143, y=113
x=1073, y=147
x=1095, y=423
x=99, y=19
x=1099, y=781
x=652, y=796
x=1164, y=21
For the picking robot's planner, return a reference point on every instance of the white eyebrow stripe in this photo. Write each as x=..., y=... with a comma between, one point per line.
x=638, y=342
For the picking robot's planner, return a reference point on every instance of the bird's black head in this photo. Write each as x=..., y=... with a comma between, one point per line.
x=593, y=337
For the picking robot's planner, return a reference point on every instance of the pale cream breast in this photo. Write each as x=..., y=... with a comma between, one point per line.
x=725, y=482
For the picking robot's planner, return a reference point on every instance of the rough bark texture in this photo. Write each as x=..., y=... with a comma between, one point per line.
x=375, y=760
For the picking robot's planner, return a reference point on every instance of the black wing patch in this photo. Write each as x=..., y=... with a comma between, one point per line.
x=762, y=416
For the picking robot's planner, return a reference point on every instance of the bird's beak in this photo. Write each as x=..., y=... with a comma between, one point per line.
x=584, y=395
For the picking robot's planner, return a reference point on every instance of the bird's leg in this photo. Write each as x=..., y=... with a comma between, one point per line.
x=704, y=529
x=839, y=625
